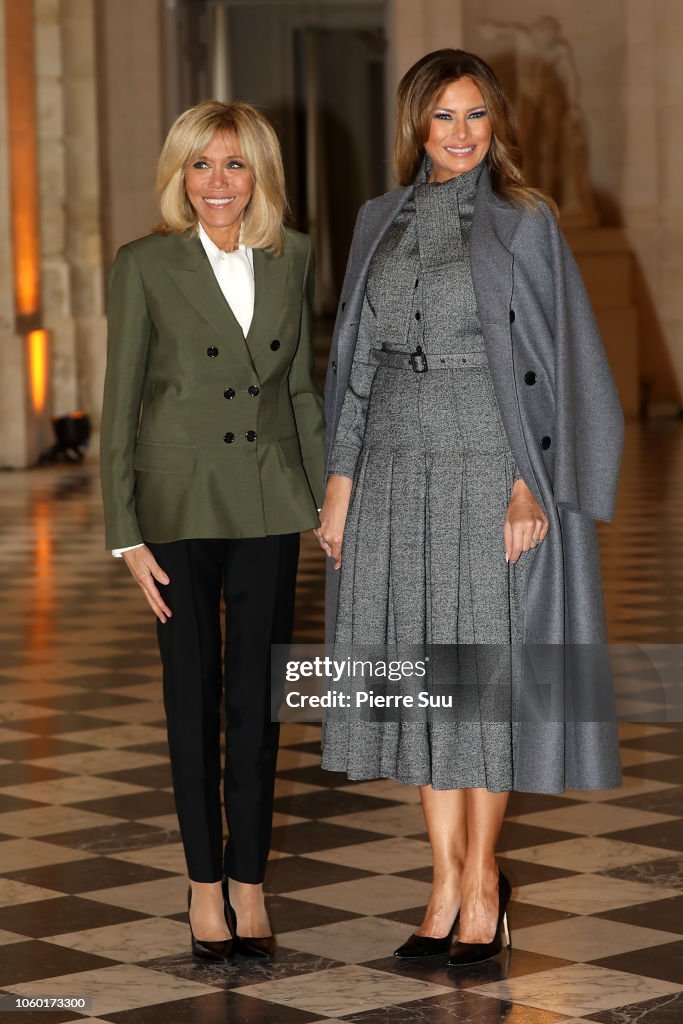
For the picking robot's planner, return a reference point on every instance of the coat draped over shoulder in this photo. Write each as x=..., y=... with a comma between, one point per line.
x=556, y=394
x=564, y=424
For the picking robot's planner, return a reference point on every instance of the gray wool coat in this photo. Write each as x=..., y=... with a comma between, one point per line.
x=557, y=397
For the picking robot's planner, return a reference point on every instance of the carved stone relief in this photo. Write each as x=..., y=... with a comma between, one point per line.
x=552, y=126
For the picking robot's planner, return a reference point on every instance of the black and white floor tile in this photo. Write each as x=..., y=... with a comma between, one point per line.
x=92, y=883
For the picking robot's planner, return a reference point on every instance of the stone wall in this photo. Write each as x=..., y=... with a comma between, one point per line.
x=103, y=70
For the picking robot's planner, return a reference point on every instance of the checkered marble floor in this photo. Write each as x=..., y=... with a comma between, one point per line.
x=92, y=883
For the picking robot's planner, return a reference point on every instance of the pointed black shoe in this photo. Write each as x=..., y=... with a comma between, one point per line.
x=418, y=946
x=203, y=949
x=262, y=948
x=466, y=953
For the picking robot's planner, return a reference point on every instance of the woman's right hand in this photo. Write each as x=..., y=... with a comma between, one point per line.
x=145, y=570
x=333, y=516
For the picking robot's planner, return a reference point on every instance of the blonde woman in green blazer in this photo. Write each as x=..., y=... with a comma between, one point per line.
x=212, y=464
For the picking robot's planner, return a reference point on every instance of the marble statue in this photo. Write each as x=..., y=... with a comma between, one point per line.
x=552, y=127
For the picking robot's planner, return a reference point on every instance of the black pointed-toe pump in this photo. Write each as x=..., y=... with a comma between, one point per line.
x=418, y=946
x=465, y=953
x=202, y=949
x=261, y=948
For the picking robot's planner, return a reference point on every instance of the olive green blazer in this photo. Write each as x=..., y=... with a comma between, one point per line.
x=206, y=433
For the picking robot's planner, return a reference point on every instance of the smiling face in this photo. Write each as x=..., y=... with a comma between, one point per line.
x=460, y=130
x=219, y=186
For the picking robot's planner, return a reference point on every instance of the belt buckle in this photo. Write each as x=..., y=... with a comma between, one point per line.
x=418, y=360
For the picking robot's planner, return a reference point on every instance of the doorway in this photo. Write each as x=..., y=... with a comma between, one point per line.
x=316, y=70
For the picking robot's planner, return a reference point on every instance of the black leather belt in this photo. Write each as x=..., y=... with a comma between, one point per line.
x=417, y=360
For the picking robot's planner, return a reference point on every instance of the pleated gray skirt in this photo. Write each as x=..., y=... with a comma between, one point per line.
x=423, y=564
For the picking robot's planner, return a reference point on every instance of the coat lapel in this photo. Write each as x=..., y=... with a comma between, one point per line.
x=381, y=215
x=493, y=227
x=192, y=273
x=271, y=275
x=494, y=224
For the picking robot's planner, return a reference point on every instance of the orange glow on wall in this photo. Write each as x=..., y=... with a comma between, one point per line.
x=23, y=158
x=37, y=368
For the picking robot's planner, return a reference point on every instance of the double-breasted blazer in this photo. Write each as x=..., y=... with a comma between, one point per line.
x=206, y=433
x=553, y=384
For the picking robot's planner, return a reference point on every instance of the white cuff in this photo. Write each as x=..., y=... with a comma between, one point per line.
x=117, y=552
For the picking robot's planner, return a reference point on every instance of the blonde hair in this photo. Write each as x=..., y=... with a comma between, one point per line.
x=188, y=136
x=418, y=92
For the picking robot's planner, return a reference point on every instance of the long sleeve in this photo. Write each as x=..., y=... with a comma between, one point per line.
x=129, y=334
x=587, y=403
x=351, y=430
x=306, y=399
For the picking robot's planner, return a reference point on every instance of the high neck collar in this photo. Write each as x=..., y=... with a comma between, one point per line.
x=463, y=184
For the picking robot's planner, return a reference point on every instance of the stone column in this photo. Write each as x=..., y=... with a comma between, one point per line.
x=652, y=202
x=25, y=429
x=670, y=107
x=130, y=78
x=414, y=29
x=55, y=283
x=82, y=180
x=12, y=364
x=221, y=79
x=71, y=242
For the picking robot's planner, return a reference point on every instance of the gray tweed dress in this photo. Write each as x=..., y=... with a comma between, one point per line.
x=423, y=558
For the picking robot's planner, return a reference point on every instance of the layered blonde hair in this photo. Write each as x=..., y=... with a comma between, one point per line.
x=418, y=93
x=189, y=135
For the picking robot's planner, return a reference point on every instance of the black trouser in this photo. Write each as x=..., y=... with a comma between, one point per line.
x=258, y=577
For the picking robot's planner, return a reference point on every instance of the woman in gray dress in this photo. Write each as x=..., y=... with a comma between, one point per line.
x=441, y=515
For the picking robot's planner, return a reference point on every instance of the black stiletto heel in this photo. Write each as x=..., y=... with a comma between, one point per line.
x=203, y=949
x=261, y=948
x=465, y=953
x=418, y=946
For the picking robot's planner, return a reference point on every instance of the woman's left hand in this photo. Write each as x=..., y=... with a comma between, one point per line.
x=526, y=523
